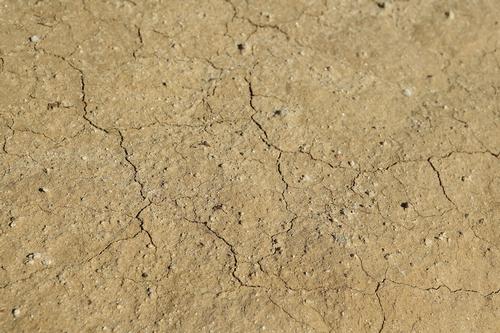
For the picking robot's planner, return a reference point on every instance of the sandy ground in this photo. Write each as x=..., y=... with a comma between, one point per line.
x=248, y=166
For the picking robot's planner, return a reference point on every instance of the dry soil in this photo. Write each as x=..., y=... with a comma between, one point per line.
x=248, y=166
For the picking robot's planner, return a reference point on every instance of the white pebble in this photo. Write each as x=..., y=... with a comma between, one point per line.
x=34, y=39
x=37, y=255
x=16, y=312
x=407, y=92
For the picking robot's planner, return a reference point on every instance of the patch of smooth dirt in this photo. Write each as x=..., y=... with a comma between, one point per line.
x=248, y=166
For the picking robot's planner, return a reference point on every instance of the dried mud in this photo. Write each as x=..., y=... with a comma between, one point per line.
x=248, y=166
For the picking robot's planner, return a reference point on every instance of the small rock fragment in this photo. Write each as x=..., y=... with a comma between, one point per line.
x=34, y=39
x=407, y=92
x=16, y=312
x=442, y=236
x=30, y=258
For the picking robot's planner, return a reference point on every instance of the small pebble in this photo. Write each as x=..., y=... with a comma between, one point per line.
x=407, y=92
x=16, y=312
x=34, y=39
x=30, y=258
x=35, y=255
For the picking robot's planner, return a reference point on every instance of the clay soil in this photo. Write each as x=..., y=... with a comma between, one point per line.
x=250, y=166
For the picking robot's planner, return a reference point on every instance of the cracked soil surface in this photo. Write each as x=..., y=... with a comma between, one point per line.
x=248, y=166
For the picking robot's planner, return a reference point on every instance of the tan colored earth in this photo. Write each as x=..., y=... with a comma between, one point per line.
x=250, y=166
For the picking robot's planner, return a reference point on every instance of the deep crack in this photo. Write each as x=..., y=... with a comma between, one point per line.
x=134, y=167
x=441, y=182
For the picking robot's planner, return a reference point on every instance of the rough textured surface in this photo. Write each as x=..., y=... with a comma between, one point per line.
x=247, y=166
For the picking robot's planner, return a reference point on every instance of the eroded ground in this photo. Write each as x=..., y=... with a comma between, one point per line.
x=247, y=166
